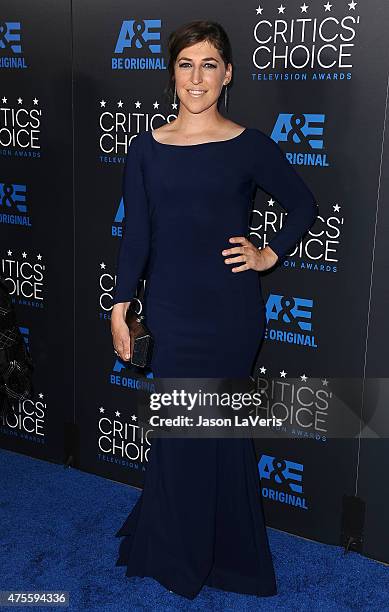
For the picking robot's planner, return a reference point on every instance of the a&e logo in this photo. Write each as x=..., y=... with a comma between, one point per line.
x=304, y=135
x=139, y=44
x=13, y=206
x=289, y=319
x=285, y=480
x=117, y=226
x=10, y=45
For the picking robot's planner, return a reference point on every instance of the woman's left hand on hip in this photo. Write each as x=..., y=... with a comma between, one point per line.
x=249, y=256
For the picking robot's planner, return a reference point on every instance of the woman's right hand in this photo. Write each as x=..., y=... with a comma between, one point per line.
x=119, y=329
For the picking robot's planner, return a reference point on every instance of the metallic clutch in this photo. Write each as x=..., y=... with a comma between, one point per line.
x=142, y=340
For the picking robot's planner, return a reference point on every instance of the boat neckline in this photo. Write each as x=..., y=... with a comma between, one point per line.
x=199, y=144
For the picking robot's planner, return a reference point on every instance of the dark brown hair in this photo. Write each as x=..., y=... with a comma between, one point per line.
x=191, y=33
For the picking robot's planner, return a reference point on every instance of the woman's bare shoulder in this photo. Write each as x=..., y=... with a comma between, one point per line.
x=234, y=127
x=164, y=132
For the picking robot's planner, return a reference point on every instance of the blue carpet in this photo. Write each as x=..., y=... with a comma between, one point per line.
x=57, y=532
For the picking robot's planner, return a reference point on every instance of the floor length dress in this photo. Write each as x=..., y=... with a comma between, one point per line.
x=199, y=519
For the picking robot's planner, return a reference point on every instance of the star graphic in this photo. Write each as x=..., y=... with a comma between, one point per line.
x=101, y=409
x=271, y=202
x=304, y=8
x=40, y=395
x=283, y=374
x=138, y=104
x=336, y=208
x=352, y=5
x=325, y=382
x=281, y=9
x=262, y=369
x=117, y=413
x=102, y=103
x=39, y=256
x=303, y=378
x=134, y=417
x=4, y=100
x=156, y=104
x=20, y=100
x=120, y=104
x=174, y=105
x=35, y=100
x=259, y=10
x=9, y=252
x=327, y=6
x=24, y=254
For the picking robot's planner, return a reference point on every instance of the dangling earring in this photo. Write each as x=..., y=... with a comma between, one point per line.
x=225, y=96
x=175, y=95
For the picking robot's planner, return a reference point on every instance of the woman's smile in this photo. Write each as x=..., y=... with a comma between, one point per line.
x=196, y=93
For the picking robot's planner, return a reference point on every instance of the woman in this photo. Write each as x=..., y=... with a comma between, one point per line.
x=188, y=190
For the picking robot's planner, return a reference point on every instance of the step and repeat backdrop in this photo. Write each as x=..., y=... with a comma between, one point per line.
x=312, y=76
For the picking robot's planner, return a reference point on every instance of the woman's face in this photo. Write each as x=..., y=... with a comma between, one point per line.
x=200, y=74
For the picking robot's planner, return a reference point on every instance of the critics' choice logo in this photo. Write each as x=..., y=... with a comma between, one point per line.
x=303, y=133
x=20, y=128
x=27, y=419
x=138, y=46
x=289, y=319
x=106, y=287
x=282, y=481
x=317, y=251
x=25, y=277
x=122, y=441
x=13, y=204
x=10, y=45
x=314, y=41
x=118, y=127
x=301, y=404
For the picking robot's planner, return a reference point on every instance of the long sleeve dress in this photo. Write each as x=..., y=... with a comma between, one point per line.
x=199, y=519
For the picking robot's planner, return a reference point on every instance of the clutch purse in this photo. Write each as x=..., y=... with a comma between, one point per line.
x=142, y=340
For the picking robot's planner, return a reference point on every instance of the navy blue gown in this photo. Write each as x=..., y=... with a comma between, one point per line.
x=199, y=519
